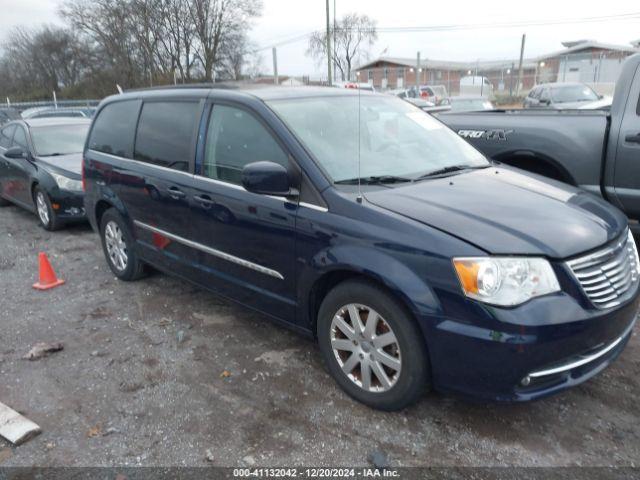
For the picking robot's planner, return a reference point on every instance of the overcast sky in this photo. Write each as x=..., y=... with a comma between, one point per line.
x=283, y=19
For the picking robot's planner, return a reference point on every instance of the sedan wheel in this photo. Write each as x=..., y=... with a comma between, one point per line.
x=43, y=208
x=366, y=348
x=116, y=246
x=46, y=214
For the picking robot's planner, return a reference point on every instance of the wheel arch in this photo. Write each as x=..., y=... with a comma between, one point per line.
x=328, y=280
x=537, y=162
x=101, y=207
x=34, y=184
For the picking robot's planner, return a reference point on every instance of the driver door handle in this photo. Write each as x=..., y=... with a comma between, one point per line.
x=176, y=193
x=633, y=138
x=204, y=200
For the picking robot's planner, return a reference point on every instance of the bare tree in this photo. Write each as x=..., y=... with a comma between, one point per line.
x=218, y=25
x=132, y=43
x=44, y=60
x=354, y=35
x=108, y=25
x=178, y=41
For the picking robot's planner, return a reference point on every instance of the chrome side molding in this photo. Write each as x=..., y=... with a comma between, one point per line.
x=211, y=251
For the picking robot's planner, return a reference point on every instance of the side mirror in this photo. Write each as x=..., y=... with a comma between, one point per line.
x=267, y=178
x=16, y=153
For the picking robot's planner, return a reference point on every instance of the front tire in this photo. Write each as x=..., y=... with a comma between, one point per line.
x=4, y=202
x=46, y=214
x=372, y=346
x=118, y=247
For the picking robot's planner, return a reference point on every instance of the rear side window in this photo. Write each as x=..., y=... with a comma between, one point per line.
x=166, y=134
x=6, y=134
x=235, y=139
x=114, y=129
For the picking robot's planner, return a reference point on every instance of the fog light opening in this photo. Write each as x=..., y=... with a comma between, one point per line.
x=525, y=381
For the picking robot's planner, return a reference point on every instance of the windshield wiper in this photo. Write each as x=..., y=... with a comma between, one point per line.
x=450, y=169
x=56, y=154
x=382, y=179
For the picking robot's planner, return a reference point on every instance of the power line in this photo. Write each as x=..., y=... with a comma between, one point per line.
x=470, y=26
x=524, y=23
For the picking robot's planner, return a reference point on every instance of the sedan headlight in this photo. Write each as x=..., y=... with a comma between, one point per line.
x=66, y=183
x=505, y=281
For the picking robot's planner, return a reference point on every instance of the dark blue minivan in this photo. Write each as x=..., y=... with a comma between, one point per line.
x=362, y=221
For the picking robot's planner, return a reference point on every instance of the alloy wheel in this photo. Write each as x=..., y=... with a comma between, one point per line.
x=366, y=348
x=43, y=209
x=116, y=246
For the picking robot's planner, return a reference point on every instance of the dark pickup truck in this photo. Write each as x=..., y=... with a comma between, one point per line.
x=595, y=150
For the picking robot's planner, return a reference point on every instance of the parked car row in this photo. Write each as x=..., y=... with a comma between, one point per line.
x=51, y=112
x=362, y=222
x=467, y=103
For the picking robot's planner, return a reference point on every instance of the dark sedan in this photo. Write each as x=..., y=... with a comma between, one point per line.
x=561, y=96
x=40, y=168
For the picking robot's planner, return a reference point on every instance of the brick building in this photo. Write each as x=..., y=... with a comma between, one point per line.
x=584, y=61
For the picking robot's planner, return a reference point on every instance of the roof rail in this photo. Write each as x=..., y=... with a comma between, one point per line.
x=222, y=86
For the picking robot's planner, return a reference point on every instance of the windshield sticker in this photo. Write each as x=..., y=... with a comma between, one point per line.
x=425, y=121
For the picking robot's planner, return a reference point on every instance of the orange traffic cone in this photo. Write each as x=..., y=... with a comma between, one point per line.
x=48, y=277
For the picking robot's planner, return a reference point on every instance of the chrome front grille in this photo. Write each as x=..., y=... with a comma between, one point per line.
x=610, y=276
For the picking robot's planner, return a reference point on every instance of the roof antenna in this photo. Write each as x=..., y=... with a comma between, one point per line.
x=359, y=197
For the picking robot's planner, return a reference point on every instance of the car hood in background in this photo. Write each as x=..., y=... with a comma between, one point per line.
x=588, y=105
x=504, y=211
x=70, y=165
x=602, y=104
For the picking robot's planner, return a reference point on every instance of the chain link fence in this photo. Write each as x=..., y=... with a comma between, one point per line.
x=502, y=81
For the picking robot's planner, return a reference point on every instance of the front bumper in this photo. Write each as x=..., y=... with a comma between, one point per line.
x=528, y=352
x=70, y=205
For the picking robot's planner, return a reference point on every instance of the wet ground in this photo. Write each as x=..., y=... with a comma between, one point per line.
x=159, y=372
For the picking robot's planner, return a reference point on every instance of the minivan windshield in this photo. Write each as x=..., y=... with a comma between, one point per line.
x=59, y=139
x=395, y=139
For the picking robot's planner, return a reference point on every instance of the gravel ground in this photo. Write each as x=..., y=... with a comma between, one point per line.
x=161, y=373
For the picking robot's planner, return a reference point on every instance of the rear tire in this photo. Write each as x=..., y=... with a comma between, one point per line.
x=4, y=203
x=44, y=210
x=118, y=246
x=382, y=360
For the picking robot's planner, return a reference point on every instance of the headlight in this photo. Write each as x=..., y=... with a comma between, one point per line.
x=66, y=183
x=505, y=281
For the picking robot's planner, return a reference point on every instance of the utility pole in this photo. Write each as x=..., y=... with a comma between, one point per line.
x=511, y=79
x=418, y=71
x=329, y=79
x=524, y=39
x=275, y=66
x=335, y=46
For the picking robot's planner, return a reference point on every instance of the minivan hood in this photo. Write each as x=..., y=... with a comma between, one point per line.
x=506, y=211
x=65, y=164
